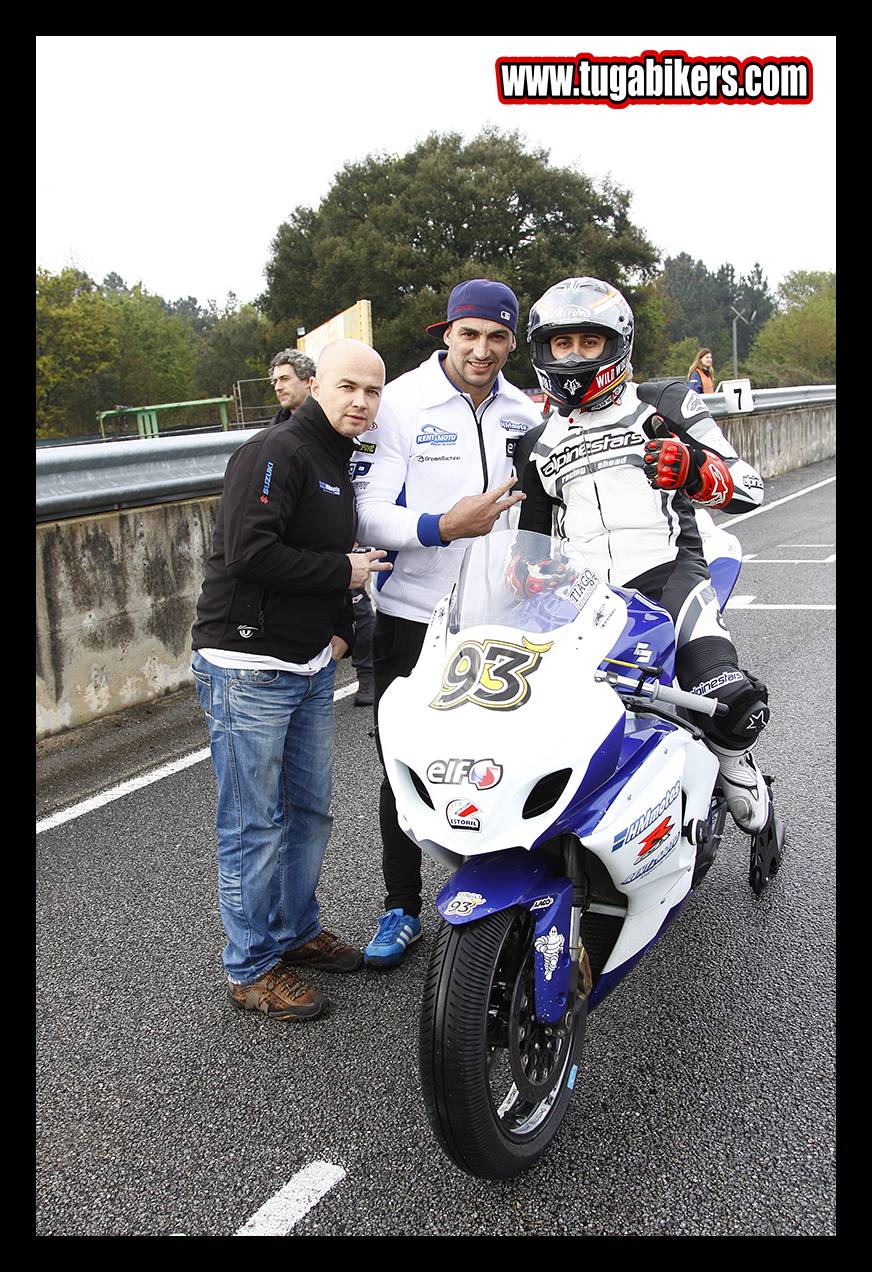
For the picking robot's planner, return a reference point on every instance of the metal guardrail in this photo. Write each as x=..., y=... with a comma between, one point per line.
x=100, y=476
x=95, y=477
x=774, y=399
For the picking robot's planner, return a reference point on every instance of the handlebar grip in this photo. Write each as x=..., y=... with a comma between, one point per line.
x=691, y=701
x=666, y=693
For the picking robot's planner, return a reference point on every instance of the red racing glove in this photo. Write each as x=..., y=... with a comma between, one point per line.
x=667, y=463
x=671, y=465
x=527, y=578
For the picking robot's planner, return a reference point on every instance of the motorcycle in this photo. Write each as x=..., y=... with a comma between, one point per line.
x=541, y=751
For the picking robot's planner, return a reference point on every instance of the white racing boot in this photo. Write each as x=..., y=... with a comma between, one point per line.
x=745, y=789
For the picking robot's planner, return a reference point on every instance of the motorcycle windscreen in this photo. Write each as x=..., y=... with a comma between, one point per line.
x=521, y=580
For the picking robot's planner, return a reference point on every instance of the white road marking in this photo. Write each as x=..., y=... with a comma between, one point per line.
x=753, y=559
x=144, y=779
x=755, y=512
x=290, y=1204
x=748, y=603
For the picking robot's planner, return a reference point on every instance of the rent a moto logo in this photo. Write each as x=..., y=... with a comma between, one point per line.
x=431, y=435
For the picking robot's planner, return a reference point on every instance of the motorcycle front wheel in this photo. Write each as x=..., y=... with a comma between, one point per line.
x=496, y=1081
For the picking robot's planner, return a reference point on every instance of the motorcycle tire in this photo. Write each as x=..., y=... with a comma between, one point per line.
x=496, y=1081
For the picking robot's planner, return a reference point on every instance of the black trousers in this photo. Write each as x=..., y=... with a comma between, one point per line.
x=396, y=647
x=705, y=651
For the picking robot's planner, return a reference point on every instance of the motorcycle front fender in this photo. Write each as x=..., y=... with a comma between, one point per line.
x=497, y=881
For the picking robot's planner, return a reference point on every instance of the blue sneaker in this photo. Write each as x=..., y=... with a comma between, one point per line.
x=396, y=930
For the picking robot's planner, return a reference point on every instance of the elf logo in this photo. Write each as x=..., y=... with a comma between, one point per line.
x=482, y=774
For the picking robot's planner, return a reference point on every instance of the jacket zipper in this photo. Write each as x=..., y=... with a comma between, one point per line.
x=478, y=425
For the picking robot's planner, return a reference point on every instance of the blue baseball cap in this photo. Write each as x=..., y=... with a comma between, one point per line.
x=481, y=298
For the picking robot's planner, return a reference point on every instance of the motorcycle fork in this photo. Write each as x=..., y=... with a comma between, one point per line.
x=580, y=979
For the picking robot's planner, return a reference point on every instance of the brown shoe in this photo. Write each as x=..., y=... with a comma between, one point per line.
x=281, y=995
x=326, y=953
x=364, y=695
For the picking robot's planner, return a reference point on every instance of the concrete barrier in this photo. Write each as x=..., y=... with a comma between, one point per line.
x=116, y=597
x=117, y=591
x=779, y=441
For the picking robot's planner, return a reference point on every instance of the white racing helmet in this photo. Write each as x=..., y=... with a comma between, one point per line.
x=582, y=304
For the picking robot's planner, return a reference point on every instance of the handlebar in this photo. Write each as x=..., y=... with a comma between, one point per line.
x=665, y=693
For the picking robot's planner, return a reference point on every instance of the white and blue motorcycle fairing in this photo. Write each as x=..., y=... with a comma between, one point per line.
x=512, y=732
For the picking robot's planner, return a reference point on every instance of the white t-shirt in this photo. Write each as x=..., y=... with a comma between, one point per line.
x=258, y=662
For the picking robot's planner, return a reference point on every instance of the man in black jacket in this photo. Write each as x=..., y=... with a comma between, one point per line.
x=273, y=618
x=290, y=371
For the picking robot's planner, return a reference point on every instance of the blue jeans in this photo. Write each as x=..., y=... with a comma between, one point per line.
x=271, y=735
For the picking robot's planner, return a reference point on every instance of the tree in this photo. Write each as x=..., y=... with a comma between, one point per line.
x=401, y=231
x=103, y=346
x=679, y=358
x=156, y=351
x=237, y=346
x=703, y=306
x=75, y=340
x=798, y=344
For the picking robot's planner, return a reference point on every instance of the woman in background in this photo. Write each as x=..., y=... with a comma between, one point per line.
x=700, y=376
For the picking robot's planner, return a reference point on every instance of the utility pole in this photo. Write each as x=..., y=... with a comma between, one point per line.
x=747, y=323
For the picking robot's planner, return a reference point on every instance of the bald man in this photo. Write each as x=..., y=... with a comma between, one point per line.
x=273, y=619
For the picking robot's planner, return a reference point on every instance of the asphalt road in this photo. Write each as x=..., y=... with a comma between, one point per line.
x=706, y=1100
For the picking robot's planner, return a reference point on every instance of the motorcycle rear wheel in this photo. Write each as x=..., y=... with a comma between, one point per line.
x=496, y=1081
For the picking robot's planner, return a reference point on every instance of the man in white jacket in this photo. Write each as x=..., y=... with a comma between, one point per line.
x=434, y=471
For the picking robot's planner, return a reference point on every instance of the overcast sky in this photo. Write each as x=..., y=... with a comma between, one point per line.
x=172, y=160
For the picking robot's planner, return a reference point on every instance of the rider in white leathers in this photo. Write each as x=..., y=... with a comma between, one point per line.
x=614, y=471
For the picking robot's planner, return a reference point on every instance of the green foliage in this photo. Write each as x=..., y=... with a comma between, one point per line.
x=104, y=346
x=703, y=307
x=680, y=356
x=155, y=353
x=402, y=231
x=75, y=341
x=233, y=348
x=798, y=344
x=790, y=341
